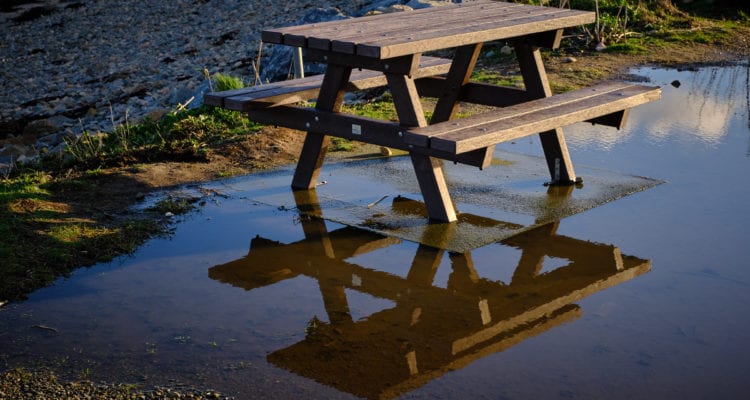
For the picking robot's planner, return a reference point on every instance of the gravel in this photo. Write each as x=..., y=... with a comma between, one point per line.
x=69, y=66
x=18, y=384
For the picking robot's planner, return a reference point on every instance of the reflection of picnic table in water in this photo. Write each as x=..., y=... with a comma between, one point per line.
x=430, y=330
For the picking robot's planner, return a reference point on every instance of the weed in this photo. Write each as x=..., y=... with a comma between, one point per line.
x=340, y=144
x=177, y=134
x=223, y=82
x=175, y=205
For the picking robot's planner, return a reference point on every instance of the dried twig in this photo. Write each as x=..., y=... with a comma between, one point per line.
x=45, y=328
x=371, y=205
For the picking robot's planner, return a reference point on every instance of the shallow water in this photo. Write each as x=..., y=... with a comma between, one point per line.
x=643, y=297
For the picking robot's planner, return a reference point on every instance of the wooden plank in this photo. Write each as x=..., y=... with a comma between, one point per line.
x=460, y=24
x=362, y=129
x=346, y=41
x=475, y=92
x=508, y=127
x=459, y=35
x=297, y=90
x=403, y=65
x=510, y=112
x=448, y=24
x=323, y=29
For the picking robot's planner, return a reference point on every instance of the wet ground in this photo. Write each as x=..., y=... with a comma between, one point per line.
x=644, y=296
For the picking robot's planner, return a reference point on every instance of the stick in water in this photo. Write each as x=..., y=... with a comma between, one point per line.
x=371, y=205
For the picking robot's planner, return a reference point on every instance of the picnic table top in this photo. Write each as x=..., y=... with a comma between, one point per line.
x=385, y=36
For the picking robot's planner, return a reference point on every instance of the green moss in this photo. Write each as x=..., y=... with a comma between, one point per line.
x=626, y=48
x=43, y=238
x=175, y=205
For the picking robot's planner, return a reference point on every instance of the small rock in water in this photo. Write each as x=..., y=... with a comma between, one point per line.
x=676, y=83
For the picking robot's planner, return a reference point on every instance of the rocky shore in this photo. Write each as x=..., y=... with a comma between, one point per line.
x=69, y=66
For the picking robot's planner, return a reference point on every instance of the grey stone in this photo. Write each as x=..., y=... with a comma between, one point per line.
x=40, y=127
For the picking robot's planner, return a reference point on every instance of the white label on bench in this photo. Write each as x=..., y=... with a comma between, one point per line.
x=356, y=129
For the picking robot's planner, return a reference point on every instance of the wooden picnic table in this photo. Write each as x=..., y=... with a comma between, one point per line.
x=387, y=50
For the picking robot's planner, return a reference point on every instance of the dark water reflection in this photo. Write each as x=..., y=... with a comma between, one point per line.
x=427, y=331
x=318, y=310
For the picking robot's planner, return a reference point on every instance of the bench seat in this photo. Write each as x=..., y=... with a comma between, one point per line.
x=605, y=103
x=303, y=89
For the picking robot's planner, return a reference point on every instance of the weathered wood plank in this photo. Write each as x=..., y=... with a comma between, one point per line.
x=297, y=90
x=504, y=127
x=475, y=92
x=347, y=40
x=459, y=35
x=359, y=128
x=389, y=35
x=322, y=29
x=403, y=65
x=448, y=24
x=510, y=112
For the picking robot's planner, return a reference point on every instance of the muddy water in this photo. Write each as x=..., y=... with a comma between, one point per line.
x=643, y=297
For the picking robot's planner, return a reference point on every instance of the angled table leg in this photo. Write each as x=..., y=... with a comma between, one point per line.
x=314, y=149
x=553, y=142
x=459, y=75
x=429, y=170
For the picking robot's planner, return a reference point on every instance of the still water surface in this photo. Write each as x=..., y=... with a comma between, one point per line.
x=645, y=297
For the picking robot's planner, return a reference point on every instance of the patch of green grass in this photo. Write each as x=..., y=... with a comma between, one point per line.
x=175, y=205
x=560, y=87
x=43, y=238
x=383, y=109
x=222, y=82
x=495, y=77
x=179, y=134
x=626, y=48
x=340, y=144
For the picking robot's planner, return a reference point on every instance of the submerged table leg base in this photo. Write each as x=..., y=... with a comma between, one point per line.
x=537, y=86
x=431, y=180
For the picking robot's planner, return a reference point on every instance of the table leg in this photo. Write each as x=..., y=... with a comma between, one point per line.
x=553, y=142
x=429, y=170
x=314, y=149
x=460, y=74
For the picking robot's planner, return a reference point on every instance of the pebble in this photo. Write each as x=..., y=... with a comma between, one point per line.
x=21, y=384
x=84, y=64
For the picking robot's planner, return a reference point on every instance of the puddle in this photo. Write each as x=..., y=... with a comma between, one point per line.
x=498, y=202
x=641, y=297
